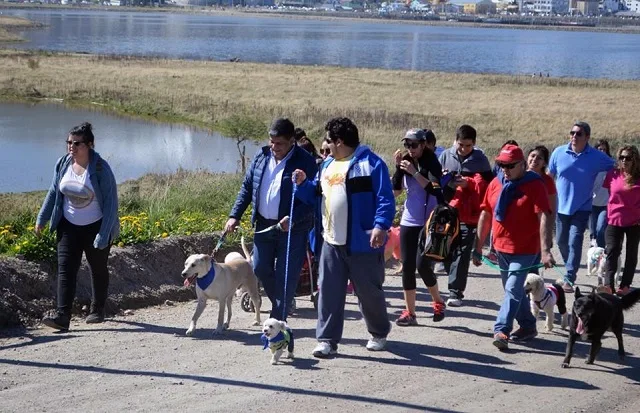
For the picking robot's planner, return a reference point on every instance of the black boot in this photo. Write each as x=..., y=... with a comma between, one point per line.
x=59, y=322
x=96, y=315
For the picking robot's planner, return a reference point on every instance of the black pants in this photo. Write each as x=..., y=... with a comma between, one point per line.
x=613, y=238
x=73, y=240
x=412, y=259
x=458, y=267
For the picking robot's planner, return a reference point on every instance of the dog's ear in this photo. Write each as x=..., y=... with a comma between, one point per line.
x=578, y=294
x=282, y=325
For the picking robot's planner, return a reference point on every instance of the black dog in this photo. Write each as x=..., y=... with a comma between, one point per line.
x=594, y=314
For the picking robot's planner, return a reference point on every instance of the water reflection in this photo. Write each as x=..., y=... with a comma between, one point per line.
x=32, y=138
x=337, y=42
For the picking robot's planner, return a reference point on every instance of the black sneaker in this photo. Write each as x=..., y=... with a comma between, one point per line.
x=522, y=334
x=59, y=322
x=95, y=317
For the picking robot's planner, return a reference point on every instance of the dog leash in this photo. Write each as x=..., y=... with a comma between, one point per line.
x=219, y=244
x=495, y=266
x=286, y=263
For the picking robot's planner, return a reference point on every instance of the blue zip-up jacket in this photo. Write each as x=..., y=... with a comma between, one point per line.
x=105, y=188
x=369, y=195
x=250, y=190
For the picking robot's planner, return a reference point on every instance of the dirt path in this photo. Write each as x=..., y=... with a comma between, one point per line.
x=144, y=362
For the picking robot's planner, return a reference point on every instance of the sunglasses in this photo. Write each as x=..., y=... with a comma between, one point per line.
x=411, y=145
x=74, y=143
x=576, y=133
x=624, y=158
x=508, y=165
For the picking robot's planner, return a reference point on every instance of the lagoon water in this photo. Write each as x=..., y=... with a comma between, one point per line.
x=337, y=42
x=32, y=138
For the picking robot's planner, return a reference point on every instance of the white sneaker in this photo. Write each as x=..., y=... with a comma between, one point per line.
x=376, y=344
x=439, y=267
x=323, y=349
x=454, y=302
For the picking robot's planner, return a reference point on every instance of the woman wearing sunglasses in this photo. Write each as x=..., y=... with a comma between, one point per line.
x=623, y=212
x=416, y=171
x=82, y=207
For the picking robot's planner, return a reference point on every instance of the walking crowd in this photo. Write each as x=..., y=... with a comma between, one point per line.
x=342, y=204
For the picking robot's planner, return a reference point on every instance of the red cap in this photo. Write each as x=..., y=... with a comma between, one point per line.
x=510, y=154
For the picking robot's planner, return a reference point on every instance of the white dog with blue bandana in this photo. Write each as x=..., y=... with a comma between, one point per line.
x=276, y=336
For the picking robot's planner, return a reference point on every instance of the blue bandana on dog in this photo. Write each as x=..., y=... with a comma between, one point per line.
x=204, y=282
x=280, y=341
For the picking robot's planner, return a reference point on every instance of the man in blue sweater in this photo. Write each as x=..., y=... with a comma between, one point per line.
x=357, y=211
x=268, y=186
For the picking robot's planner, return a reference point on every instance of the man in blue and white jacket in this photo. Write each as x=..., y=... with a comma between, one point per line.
x=358, y=208
x=268, y=185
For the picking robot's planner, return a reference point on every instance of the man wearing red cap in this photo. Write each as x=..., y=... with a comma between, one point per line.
x=516, y=209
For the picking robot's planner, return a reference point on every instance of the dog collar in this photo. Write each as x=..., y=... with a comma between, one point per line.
x=204, y=282
x=281, y=340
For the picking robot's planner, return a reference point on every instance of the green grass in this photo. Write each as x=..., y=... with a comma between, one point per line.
x=152, y=207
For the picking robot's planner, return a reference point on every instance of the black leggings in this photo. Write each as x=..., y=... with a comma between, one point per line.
x=73, y=240
x=412, y=259
x=613, y=238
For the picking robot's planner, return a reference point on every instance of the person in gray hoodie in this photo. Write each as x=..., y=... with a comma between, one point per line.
x=465, y=193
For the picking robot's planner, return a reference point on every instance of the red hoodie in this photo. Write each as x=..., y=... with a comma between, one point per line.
x=467, y=200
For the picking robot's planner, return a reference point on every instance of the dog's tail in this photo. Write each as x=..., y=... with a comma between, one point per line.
x=247, y=255
x=630, y=299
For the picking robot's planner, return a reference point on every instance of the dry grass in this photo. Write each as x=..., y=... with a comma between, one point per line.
x=9, y=24
x=383, y=103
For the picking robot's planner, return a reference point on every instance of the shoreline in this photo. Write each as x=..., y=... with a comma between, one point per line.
x=327, y=16
x=11, y=24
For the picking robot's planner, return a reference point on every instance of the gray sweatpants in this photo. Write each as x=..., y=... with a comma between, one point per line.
x=366, y=272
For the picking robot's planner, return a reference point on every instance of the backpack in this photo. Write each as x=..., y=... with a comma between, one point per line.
x=440, y=235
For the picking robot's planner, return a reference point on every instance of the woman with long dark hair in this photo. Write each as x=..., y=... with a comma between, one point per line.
x=623, y=214
x=416, y=171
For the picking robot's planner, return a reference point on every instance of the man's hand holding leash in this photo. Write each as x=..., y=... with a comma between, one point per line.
x=299, y=176
x=231, y=225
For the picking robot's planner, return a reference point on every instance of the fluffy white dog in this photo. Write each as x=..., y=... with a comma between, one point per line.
x=276, y=335
x=596, y=264
x=544, y=297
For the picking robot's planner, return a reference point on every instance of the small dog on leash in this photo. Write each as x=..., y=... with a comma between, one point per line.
x=276, y=335
x=544, y=297
x=596, y=264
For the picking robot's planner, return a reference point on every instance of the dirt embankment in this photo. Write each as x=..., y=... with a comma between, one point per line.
x=140, y=276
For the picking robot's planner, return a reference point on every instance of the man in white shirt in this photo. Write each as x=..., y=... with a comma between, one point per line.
x=268, y=186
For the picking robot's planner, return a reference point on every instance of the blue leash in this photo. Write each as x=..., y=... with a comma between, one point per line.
x=286, y=265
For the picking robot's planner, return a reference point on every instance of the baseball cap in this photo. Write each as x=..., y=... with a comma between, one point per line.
x=282, y=127
x=510, y=154
x=416, y=134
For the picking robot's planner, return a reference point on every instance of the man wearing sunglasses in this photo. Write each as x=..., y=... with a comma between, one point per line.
x=516, y=209
x=465, y=193
x=575, y=167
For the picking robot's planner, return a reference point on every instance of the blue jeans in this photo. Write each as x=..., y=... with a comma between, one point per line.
x=516, y=303
x=598, y=224
x=569, y=236
x=269, y=259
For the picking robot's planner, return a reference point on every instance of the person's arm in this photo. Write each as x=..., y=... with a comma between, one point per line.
x=546, y=237
x=109, y=191
x=385, y=202
x=484, y=226
x=243, y=200
x=49, y=200
x=607, y=163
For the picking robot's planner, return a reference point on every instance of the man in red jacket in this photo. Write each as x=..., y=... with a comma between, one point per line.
x=465, y=193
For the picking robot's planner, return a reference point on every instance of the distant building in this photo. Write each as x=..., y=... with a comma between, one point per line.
x=588, y=7
x=551, y=6
x=632, y=5
x=480, y=7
